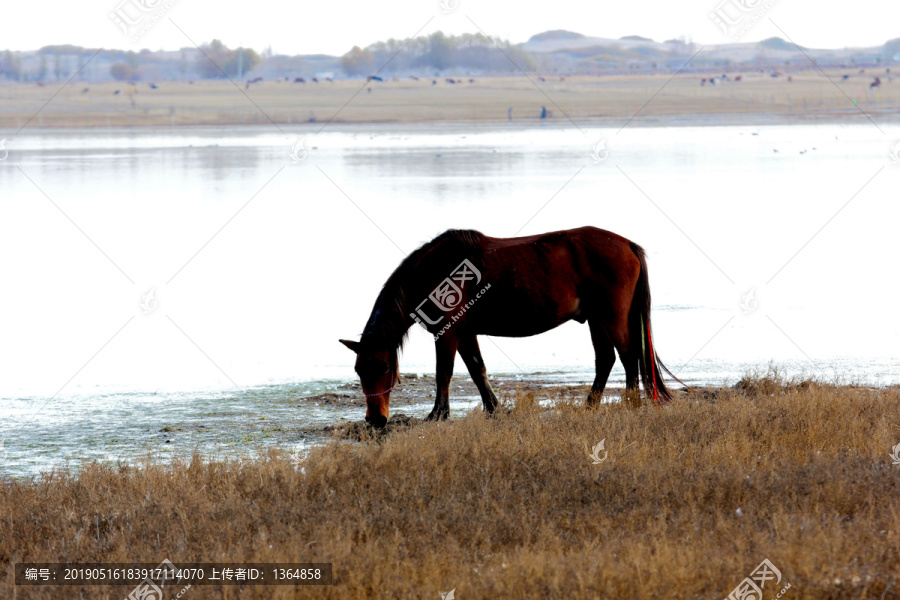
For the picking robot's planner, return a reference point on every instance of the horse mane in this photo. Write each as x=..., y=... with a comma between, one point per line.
x=389, y=323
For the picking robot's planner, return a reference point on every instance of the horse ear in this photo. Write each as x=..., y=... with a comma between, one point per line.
x=351, y=344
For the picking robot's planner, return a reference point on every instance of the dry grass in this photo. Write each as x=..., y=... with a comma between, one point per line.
x=585, y=98
x=511, y=507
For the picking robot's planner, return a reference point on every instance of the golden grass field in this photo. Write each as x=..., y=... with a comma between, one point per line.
x=583, y=99
x=690, y=499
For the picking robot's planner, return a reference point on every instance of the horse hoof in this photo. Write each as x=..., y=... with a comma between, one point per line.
x=438, y=416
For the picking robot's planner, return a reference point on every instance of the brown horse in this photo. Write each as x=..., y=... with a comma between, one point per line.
x=463, y=284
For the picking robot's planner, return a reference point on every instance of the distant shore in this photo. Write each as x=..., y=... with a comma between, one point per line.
x=757, y=99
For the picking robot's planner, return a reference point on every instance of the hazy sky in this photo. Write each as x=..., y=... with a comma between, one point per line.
x=333, y=27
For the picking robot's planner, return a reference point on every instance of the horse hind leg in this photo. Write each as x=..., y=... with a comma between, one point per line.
x=471, y=355
x=604, y=359
x=632, y=395
x=629, y=350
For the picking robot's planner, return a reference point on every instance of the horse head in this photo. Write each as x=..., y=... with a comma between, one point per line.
x=378, y=373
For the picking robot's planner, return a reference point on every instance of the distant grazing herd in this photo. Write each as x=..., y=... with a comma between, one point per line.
x=714, y=80
x=876, y=81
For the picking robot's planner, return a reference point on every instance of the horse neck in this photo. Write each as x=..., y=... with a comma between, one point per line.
x=391, y=316
x=389, y=321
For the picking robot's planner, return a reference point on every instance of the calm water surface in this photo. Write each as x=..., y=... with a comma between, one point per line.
x=766, y=245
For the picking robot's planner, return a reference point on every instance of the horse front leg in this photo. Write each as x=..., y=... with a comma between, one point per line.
x=445, y=352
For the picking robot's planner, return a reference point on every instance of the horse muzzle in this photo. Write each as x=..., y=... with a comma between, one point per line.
x=378, y=421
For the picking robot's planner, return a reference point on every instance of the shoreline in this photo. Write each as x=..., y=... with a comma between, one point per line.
x=848, y=117
x=638, y=100
x=240, y=426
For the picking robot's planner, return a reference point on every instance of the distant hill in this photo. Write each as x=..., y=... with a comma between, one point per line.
x=776, y=43
x=553, y=41
x=572, y=52
x=556, y=34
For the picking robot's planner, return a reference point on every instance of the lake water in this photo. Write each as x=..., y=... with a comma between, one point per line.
x=766, y=245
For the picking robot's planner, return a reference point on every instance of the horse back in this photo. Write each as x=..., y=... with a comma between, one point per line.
x=538, y=282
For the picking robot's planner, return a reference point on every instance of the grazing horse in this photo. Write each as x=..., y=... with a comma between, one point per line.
x=463, y=284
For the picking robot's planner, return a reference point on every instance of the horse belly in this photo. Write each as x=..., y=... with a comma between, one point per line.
x=523, y=318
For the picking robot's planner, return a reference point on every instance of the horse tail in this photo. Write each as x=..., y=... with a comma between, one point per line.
x=650, y=366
